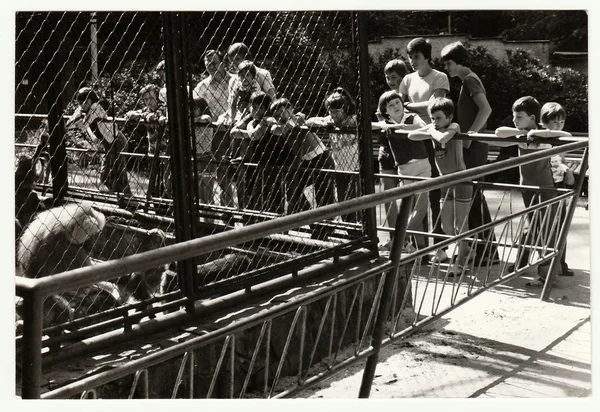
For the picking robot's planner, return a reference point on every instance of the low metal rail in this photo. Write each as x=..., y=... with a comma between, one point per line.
x=34, y=291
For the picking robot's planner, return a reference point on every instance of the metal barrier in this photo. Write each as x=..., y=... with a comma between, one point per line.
x=416, y=286
x=121, y=143
x=179, y=208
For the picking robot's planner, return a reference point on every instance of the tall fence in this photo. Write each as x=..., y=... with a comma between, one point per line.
x=92, y=115
x=132, y=203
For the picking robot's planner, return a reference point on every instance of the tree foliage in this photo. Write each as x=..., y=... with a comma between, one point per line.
x=567, y=29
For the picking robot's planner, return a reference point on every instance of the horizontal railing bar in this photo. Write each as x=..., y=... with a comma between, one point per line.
x=213, y=336
x=185, y=250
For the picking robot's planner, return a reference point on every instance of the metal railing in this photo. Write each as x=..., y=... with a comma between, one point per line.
x=34, y=291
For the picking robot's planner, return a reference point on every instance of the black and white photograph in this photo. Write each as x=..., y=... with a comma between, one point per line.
x=311, y=204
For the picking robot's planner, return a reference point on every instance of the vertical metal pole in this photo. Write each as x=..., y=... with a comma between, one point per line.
x=565, y=232
x=179, y=143
x=31, y=357
x=364, y=126
x=386, y=294
x=94, y=47
x=54, y=98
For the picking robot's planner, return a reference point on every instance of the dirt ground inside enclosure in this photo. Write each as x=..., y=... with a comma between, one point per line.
x=506, y=343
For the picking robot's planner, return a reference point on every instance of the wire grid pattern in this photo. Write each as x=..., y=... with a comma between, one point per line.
x=118, y=152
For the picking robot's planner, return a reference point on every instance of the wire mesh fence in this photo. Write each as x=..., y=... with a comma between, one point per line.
x=273, y=131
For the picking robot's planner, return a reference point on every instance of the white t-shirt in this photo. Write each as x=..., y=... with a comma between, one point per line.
x=420, y=89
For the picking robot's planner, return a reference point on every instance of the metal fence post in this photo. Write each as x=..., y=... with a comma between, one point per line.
x=364, y=127
x=179, y=142
x=386, y=294
x=54, y=98
x=31, y=356
x=565, y=232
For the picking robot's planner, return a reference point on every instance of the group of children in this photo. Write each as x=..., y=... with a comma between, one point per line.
x=406, y=154
x=265, y=130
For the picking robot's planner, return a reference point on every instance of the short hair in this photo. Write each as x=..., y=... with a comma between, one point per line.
x=456, y=52
x=419, y=45
x=552, y=111
x=150, y=88
x=87, y=93
x=529, y=105
x=212, y=52
x=261, y=99
x=246, y=67
x=239, y=49
x=279, y=103
x=441, y=104
x=561, y=155
x=385, y=98
x=340, y=99
x=397, y=66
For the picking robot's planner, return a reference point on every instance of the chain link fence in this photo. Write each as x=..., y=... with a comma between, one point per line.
x=273, y=109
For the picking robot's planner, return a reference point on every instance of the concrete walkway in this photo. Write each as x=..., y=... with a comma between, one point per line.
x=505, y=344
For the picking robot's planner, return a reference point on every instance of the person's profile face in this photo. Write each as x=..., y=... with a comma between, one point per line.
x=85, y=106
x=522, y=120
x=337, y=115
x=283, y=114
x=150, y=100
x=393, y=80
x=417, y=60
x=451, y=68
x=246, y=80
x=234, y=61
x=555, y=124
x=257, y=111
x=213, y=64
x=439, y=119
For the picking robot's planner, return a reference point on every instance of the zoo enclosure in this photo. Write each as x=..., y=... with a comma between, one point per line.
x=182, y=214
x=444, y=294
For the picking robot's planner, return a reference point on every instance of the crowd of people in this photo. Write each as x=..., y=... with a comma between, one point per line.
x=240, y=119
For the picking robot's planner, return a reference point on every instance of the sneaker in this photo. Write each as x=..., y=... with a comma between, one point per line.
x=440, y=256
x=567, y=272
x=409, y=248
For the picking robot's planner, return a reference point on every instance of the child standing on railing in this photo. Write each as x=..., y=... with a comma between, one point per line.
x=399, y=155
x=456, y=199
x=526, y=115
x=344, y=146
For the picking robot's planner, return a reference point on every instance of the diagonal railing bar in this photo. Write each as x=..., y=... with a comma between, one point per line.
x=179, y=377
x=144, y=374
x=285, y=349
x=317, y=339
x=255, y=352
x=213, y=382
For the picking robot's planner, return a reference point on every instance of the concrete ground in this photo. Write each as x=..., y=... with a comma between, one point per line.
x=506, y=343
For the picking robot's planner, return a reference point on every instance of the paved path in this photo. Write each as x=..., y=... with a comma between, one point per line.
x=505, y=344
